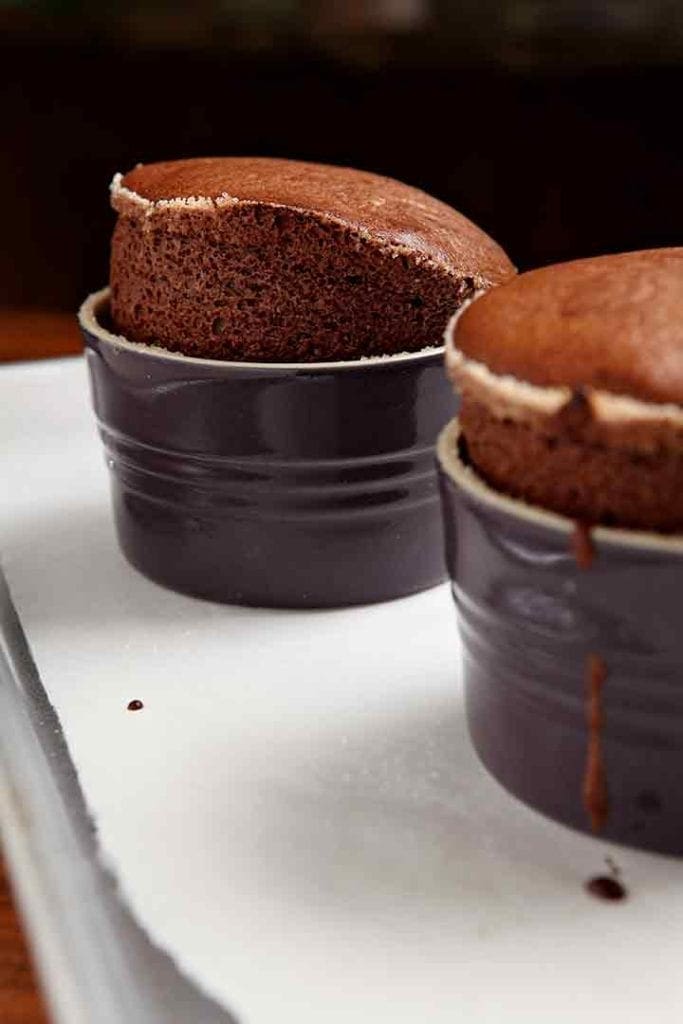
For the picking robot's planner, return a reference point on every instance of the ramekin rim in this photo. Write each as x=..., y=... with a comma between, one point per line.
x=465, y=477
x=90, y=324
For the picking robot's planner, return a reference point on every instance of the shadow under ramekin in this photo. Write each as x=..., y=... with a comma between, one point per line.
x=286, y=485
x=532, y=620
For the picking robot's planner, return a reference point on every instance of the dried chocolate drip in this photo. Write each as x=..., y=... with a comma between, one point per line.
x=576, y=412
x=578, y=401
x=135, y=705
x=594, y=782
x=582, y=545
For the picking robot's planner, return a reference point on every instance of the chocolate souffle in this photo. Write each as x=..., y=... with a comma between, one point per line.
x=572, y=388
x=253, y=259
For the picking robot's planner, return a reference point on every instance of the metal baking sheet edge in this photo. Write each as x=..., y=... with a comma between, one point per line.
x=94, y=960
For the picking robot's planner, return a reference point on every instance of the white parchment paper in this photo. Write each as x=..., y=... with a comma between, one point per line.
x=296, y=815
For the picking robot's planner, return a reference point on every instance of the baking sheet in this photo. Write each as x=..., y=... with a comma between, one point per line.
x=296, y=816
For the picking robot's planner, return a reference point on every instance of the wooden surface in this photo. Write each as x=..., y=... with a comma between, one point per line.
x=20, y=1001
x=33, y=334
x=26, y=335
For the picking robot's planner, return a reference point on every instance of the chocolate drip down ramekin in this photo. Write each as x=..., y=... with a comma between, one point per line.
x=535, y=620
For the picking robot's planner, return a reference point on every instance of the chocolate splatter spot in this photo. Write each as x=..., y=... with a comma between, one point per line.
x=605, y=887
x=135, y=705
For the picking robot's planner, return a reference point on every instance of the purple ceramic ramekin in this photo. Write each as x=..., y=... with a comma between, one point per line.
x=573, y=676
x=288, y=485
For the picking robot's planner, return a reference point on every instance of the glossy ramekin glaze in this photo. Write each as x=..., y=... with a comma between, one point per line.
x=288, y=485
x=532, y=622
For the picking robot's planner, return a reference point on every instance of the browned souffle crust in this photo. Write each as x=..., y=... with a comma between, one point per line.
x=572, y=388
x=282, y=261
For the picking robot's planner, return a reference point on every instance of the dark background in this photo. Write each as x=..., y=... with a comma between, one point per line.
x=555, y=125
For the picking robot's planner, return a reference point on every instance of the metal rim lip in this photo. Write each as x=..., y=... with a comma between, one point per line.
x=90, y=324
x=464, y=477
